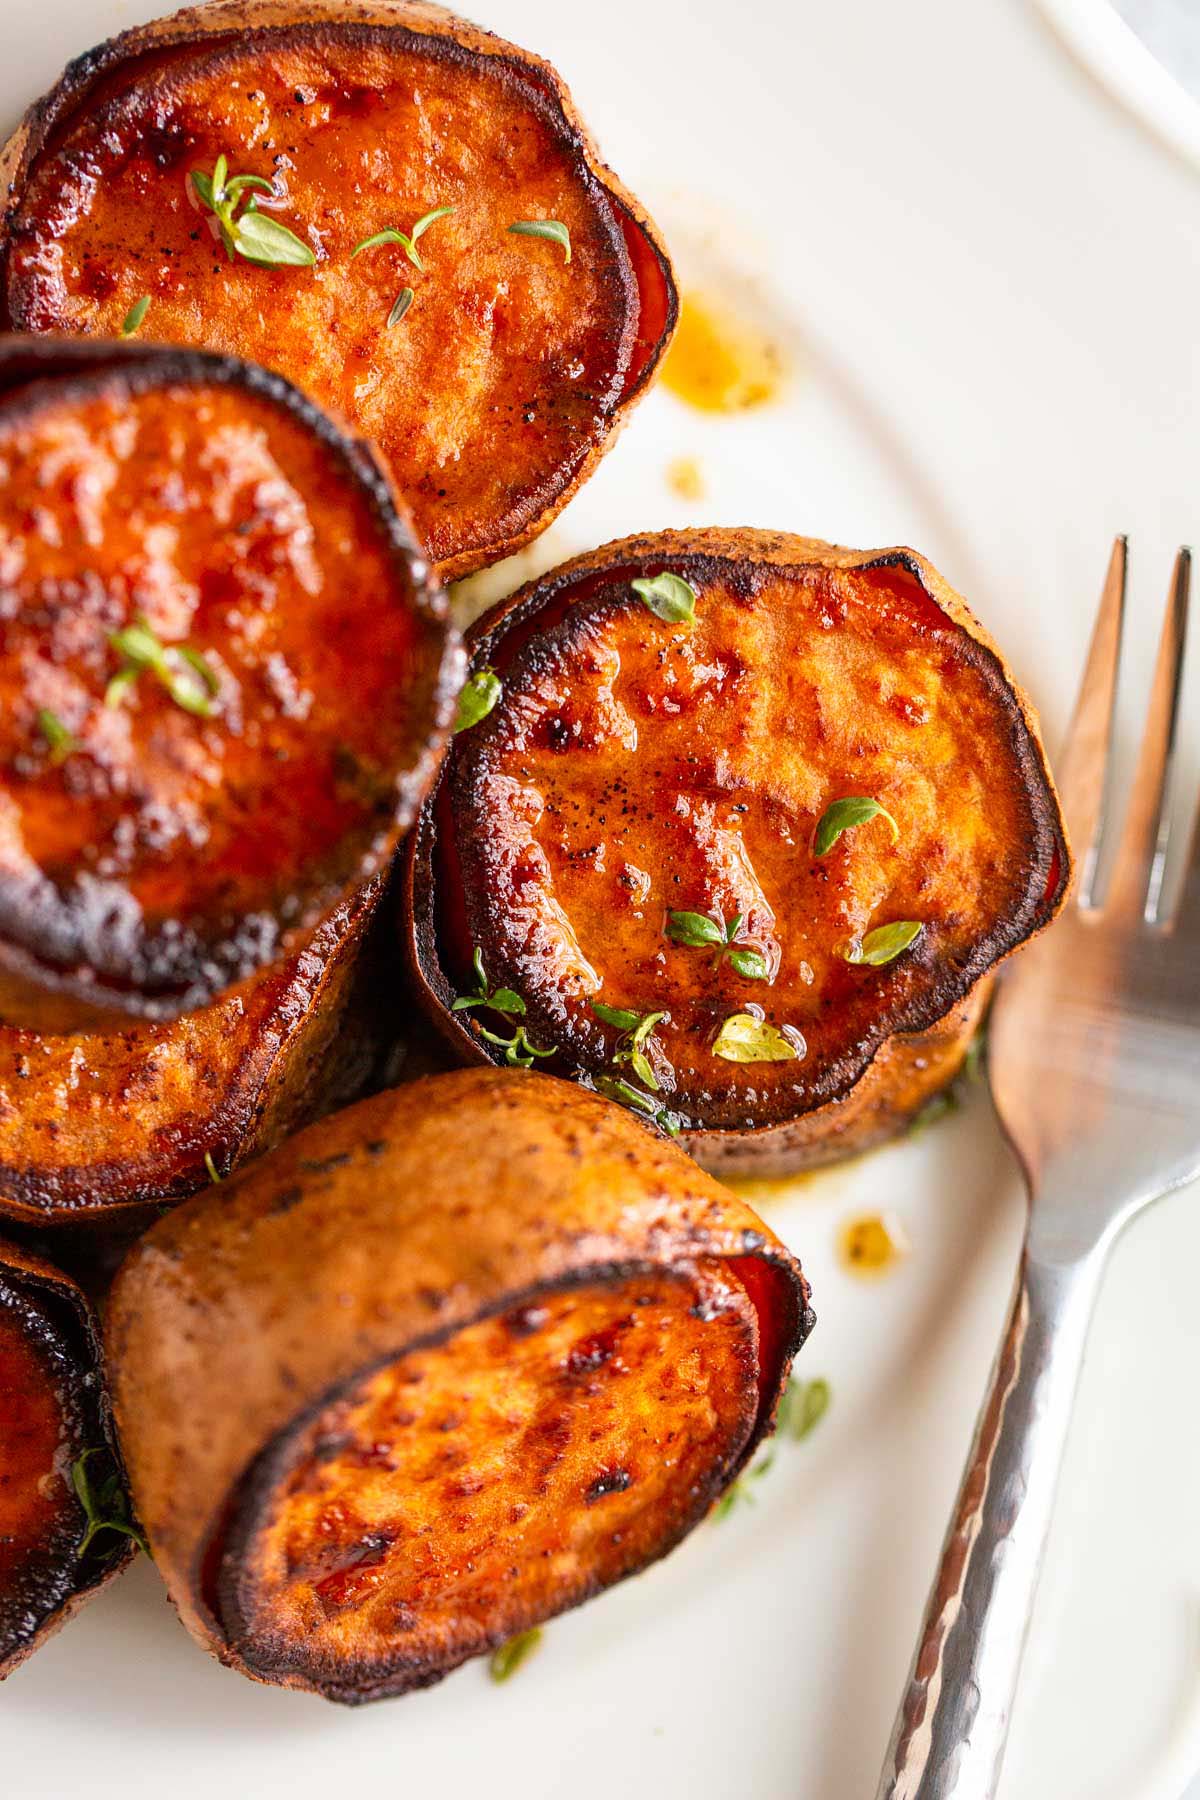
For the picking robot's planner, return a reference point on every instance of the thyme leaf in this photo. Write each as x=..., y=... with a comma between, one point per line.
x=845, y=815
x=885, y=943
x=105, y=1506
x=505, y=1661
x=544, y=228
x=135, y=316
x=60, y=742
x=255, y=236
x=479, y=695
x=669, y=597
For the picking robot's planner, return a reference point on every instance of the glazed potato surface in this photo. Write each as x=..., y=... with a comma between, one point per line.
x=166, y=832
x=510, y=363
x=466, y=1490
x=634, y=770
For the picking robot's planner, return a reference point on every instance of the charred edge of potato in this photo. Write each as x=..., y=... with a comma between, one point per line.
x=866, y=1098
x=307, y=1036
x=42, y=1598
x=387, y=1231
x=59, y=994
x=220, y=21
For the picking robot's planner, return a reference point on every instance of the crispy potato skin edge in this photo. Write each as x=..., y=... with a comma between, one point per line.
x=319, y=1061
x=905, y=1070
x=222, y=18
x=21, y=1268
x=387, y=1227
x=41, y=997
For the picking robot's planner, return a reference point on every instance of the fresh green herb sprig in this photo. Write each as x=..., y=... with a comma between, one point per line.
x=845, y=815
x=60, y=742
x=637, y=1030
x=519, y=1053
x=478, y=697
x=697, y=930
x=182, y=671
x=407, y=241
x=625, y=1094
x=210, y=1167
x=255, y=236
x=950, y=1099
x=544, y=228
x=803, y=1406
x=105, y=1505
x=885, y=943
x=504, y=1662
x=669, y=597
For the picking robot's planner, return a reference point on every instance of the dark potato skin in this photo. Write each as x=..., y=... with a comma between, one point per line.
x=366, y=115
x=634, y=767
x=165, y=856
x=105, y=1128
x=53, y=1408
x=494, y=1348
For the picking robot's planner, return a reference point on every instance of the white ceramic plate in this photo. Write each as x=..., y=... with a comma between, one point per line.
x=923, y=200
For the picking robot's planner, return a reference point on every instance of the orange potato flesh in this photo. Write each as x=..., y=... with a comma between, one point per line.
x=454, y=1414
x=363, y=127
x=51, y=1412
x=468, y=1490
x=166, y=855
x=98, y=1124
x=633, y=768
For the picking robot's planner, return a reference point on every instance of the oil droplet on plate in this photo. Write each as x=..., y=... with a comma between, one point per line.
x=872, y=1244
x=685, y=478
x=718, y=361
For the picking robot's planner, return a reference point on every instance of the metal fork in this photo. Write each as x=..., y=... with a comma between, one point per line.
x=1094, y=1060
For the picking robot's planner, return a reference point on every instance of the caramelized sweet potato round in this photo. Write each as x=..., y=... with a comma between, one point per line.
x=224, y=677
x=53, y=1412
x=101, y=1126
x=495, y=1348
x=624, y=868
x=494, y=394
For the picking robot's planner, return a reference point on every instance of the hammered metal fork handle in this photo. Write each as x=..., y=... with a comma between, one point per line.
x=950, y=1732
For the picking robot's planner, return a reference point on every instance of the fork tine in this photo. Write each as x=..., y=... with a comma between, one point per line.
x=1084, y=767
x=1142, y=856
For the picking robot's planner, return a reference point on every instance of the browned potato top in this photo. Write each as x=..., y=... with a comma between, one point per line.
x=457, y=1495
x=633, y=826
x=220, y=675
x=506, y=374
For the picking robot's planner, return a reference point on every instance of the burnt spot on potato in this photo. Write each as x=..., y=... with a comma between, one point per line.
x=642, y=779
x=175, y=694
x=546, y=354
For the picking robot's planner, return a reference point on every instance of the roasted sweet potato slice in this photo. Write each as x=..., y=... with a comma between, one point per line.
x=99, y=1128
x=748, y=823
x=224, y=677
x=495, y=1347
x=491, y=365
x=54, y=1441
